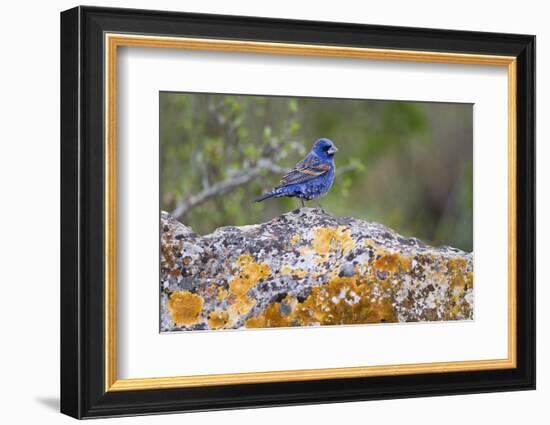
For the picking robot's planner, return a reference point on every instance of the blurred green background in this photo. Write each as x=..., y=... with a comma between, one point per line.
x=407, y=165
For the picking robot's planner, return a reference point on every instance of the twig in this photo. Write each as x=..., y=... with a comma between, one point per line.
x=345, y=169
x=226, y=186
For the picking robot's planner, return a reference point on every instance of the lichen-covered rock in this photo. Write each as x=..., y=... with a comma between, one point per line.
x=307, y=268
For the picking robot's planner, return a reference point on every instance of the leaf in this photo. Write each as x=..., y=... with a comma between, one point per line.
x=294, y=126
x=293, y=106
x=251, y=152
x=357, y=164
x=267, y=133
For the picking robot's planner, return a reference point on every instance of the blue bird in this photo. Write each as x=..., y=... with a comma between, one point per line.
x=310, y=178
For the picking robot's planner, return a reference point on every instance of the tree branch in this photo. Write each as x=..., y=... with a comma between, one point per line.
x=226, y=186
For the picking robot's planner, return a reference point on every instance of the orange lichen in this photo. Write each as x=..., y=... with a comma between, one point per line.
x=295, y=239
x=185, y=307
x=249, y=275
x=391, y=262
x=469, y=284
x=456, y=269
x=271, y=318
x=322, y=239
x=255, y=322
x=369, y=243
x=326, y=239
x=242, y=305
x=296, y=273
x=340, y=301
x=222, y=294
x=343, y=301
x=218, y=319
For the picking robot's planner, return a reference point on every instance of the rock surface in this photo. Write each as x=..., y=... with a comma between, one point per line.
x=307, y=268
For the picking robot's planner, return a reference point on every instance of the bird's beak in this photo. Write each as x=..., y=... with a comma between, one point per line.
x=332, y=150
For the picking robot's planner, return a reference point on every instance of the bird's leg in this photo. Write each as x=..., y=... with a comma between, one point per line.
x=319, y=205
x=302, y=201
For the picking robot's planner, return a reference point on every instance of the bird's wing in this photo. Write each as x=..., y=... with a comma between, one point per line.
x=307, y=169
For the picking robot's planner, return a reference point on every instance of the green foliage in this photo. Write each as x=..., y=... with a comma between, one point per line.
x=407, y=165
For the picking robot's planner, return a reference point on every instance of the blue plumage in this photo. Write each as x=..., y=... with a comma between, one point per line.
x=311, y=178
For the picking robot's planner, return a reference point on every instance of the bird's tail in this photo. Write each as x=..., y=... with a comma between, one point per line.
x=265, y=196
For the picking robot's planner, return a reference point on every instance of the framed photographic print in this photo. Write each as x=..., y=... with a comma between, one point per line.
x=261, y=212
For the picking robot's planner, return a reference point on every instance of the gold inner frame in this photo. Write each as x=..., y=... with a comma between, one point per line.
x=113, y=41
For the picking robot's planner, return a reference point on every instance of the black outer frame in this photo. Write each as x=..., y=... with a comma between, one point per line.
x=82, y=212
